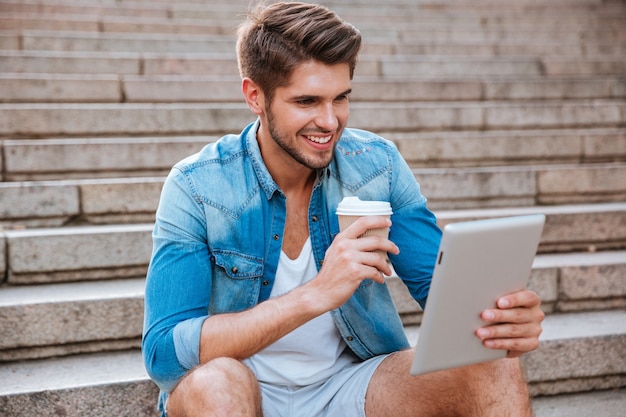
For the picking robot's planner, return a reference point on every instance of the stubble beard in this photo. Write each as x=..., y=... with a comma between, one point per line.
x=293, y=151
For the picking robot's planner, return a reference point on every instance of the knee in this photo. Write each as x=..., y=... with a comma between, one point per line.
x=221, y=387
x=223, y=374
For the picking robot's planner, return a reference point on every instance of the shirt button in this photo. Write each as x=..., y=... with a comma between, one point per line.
x=276, y=237
x=266, y=283
x=314, y=218
x=349, y=338
x=234, y=269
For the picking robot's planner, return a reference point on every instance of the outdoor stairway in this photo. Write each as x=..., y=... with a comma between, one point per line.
x=500, y=108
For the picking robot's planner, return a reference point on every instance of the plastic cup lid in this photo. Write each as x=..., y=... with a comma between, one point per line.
x=354, y=206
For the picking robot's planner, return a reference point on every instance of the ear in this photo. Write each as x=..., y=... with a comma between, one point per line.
x=253, y=95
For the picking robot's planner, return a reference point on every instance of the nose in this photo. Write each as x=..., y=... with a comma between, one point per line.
x=327, y=117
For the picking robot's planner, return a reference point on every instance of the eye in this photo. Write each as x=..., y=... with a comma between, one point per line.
x=305, y=101
x=341, y=98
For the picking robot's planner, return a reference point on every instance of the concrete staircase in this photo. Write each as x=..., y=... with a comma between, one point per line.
x=501, y=108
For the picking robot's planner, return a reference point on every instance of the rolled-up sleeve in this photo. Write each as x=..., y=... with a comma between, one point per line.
x=414, y=230
x=178, y=285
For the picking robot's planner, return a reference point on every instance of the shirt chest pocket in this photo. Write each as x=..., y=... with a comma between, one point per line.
x=236, y=281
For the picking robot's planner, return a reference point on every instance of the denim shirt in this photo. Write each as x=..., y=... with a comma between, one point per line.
x=218, y=236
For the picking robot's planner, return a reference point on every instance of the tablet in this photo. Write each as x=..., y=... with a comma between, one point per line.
x=478, y=262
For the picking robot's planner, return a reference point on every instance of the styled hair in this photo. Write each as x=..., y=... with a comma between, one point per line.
x=276, y=38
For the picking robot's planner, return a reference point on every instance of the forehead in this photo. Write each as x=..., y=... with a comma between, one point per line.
x=317, y=79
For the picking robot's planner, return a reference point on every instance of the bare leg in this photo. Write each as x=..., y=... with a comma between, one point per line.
x=496, y=388
x=221, y=388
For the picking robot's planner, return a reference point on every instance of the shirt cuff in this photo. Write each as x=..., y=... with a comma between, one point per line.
x=187, y=341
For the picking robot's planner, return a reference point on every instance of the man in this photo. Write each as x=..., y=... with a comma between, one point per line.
x=257, y=305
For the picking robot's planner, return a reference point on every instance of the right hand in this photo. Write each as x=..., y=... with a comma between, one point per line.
x=350, y=259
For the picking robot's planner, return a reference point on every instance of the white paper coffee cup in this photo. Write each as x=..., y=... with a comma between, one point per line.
x=352, y=208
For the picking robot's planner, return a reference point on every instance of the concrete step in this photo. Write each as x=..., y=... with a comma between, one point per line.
x=99, y=315
x=609, y=403
x=73, y=88
x=40, y=120
x=79, y=317
x=79, y=253
x=581, y=281
x=365, y=10
x=51, y=88
x=134, y=199
x=510, y=147
x=97, y=157
x=224, y=63
x=57, y=203
x=38, y=202
x=122, y=251
x=401, y=26
x=55, y=7
x=118, y=385
x=57, y=40
x=455, y=188
x=579, y=352
x=124, y=42
x=56, y=157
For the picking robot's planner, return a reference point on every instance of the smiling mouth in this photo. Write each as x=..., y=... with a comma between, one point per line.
x=319, y=139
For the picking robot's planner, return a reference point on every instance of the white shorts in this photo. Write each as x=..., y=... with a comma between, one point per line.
x=342, y=395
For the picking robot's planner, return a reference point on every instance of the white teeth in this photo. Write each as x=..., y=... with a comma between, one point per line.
x=316, y=139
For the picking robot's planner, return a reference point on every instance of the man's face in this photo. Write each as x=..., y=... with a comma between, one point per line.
x=305, y=118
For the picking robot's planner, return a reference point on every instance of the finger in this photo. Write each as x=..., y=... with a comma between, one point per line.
x=377, y=244
x=526, y=341
x=509, y=331
x=515, y=315
x=523, y=298
x=514, y=346
x=365, y=223
x=377, y=260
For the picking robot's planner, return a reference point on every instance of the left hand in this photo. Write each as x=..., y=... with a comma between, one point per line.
x=515, y=325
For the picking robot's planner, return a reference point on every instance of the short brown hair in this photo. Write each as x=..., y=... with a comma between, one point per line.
x=275, y=39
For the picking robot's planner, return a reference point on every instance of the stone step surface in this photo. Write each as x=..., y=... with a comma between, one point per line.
x=224, y=63
x=220, y=9
x=40, y=203
x=79, y=317
x=87, y=316
x=510, y=147
x=205, y=20
x=44, y=119
x=609, y=403
x=117, y=251
x=57, y=40
x=54, y=157
x=82, y=88
x=118, y=385
x=184, y=16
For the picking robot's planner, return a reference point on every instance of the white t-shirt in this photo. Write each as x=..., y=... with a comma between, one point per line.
x=311, y=352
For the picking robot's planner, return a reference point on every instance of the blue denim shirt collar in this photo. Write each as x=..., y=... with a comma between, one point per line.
x=264, y=177
x=267, y=183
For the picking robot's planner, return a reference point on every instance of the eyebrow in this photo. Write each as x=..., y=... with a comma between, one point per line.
x=313, y=97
